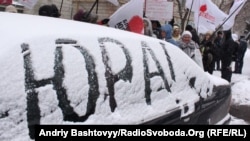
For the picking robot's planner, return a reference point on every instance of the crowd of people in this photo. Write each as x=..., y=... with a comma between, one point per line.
x=211, y=51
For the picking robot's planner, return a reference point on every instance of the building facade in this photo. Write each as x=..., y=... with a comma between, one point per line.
x=104, y=9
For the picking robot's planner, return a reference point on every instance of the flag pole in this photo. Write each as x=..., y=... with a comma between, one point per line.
x=145, y=6
x=190, y=10
x=231, y=15
x=61, y=6
x=226, y=19
x=96, y=3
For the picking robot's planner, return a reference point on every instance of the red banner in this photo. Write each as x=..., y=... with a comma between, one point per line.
x=5, y=2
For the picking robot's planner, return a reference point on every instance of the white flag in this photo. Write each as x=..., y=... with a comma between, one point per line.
x=207, y=16
x=129, y=17
x=194, y=4
x=28, y=3
x=115, y=2
x=235, y=9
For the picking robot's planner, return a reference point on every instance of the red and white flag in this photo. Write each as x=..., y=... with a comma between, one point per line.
x=207, y=16
x=235, y=9
x=28, y=3
x=115, y=2
x=5, y=2
x=129, y=17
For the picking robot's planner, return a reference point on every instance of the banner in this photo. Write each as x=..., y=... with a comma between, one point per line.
x=160, y=10
x=129, y=17
x=115, y=2
x=207, y=16
x=5, y=2
x=234, y=11
x=28, y=3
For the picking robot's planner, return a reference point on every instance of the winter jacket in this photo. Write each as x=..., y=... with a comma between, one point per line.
x=228, y=48
x=169, y=31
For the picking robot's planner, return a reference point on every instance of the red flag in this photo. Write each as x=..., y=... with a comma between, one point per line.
x=5, y=2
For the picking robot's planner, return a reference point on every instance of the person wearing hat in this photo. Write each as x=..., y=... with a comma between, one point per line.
x=11, y=9
x=167, y=34
x=194, y=33
x=187, y=44
x=191, y=48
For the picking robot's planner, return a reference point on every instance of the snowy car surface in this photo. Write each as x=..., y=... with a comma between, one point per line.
x=57, y=71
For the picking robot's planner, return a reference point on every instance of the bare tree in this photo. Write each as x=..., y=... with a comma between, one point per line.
x=183, y=13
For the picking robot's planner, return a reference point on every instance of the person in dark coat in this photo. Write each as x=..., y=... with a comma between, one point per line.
x=194, y=33
x=217, y=49
x=49, y=10
x=156, y=25
x=208, y=53
x=228, y=48
x=240, y=55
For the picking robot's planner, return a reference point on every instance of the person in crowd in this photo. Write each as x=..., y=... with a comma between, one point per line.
x=217, y=49
x=78, y=15
x=166, y=34
x=240, y=55
x=148, y=30
x=207, y=50
x=176, y=33
x=11, y=9
x=83, y=16
x=228, y=48
x=194, y=33
x=156, y=25
x=49, y=10
x=236, y=40
x=191, y=48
